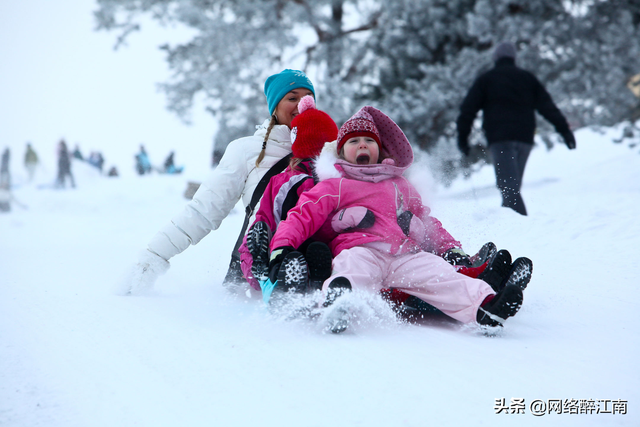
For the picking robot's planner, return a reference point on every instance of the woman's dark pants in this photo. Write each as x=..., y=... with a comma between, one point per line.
x=509, y=160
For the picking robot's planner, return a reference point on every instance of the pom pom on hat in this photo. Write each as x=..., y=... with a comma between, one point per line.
x=360, y=124
x=305, y=104
x=310, y=129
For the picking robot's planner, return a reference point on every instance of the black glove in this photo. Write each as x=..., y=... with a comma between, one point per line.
x=456, y=256
x=277, y=255
x=569, y=139
x=464, y=147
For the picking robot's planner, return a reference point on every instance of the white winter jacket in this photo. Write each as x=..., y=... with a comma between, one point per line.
x=235, y=176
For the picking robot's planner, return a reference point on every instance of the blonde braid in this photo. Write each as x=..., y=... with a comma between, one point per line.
x=294, y=162
x=272, y=123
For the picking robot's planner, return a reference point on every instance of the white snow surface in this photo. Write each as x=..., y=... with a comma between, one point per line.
x=73, y=353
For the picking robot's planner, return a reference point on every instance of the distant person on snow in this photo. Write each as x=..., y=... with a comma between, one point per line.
x=64, y=166
x=77, y=154
x=169, y=165
x=5, y=175
x=95, y=159
x=509, y=97
x=31, y=161
x=239, y=174
x=143, y=165
x=379, y=231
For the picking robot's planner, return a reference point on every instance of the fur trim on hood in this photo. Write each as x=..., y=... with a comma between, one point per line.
x=324, y=164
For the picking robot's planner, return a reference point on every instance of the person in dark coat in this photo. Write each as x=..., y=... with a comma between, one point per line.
x=5, y=175
x=509, y=97
x=64, y=166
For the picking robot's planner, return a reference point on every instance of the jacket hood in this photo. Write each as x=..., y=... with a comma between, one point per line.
x=396, y=154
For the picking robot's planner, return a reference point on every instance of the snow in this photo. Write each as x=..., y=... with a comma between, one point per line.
x=73, y=353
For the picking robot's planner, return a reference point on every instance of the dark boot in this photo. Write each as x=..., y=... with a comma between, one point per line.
x=486, y=252
x=258, y=240
x=497, y=270
x=338, y=319
x=293, y=274
x=319, y=259
x=520, y=273
x=338, y=287
x=505, y=304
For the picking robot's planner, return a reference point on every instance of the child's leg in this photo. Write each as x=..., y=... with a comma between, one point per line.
x=363, y=267
x=435, y=281
x=319, y=259
x=257, y=245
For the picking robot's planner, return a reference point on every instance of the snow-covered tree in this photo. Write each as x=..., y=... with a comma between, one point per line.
x=415, y=59
x=584, y=52
x=238, y=44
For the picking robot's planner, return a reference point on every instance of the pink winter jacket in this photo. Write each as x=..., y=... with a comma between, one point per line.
x=281, y=193
x=370, y=205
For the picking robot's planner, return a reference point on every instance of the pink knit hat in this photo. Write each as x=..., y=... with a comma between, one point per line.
x=360, y=124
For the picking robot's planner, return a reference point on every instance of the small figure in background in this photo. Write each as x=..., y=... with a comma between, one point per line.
x=30, y=161
x=64, y=166
x=113, y=171
x=5, y=175
x=169, y=165
x=143, y=165
x=77, y=154
x=96, y=159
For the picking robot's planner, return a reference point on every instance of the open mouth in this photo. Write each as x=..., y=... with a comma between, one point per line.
x=363, y=159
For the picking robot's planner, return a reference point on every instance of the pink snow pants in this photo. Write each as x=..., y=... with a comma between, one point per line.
x=424, y=275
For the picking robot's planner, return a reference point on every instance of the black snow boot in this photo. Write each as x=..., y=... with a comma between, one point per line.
x=258, y=240
x=497, y=270
x=338, y=319
x=520, y=273
x=319, y=259
x=293, y=274
x=486, y=252
x=338, y=287
x=505, y=304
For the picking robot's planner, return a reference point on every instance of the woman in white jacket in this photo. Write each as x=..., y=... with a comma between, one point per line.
x=244, y=163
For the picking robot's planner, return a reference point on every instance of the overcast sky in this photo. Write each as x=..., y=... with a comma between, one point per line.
x=61, y=79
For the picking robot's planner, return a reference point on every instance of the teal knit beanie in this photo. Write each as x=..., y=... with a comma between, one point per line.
x=278, y=85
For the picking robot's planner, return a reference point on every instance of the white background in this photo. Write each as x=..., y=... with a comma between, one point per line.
x=60, y=79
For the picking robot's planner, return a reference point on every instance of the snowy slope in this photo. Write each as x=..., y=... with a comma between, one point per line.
x=72, y=353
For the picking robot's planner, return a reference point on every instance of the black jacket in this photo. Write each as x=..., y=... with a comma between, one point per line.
x=508, y=97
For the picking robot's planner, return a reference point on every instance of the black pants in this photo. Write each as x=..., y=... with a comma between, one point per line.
x=509, y=161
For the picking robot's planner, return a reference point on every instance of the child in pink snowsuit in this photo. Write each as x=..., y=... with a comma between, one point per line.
x=380, y=233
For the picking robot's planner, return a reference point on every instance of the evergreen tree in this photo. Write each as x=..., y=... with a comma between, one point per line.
x=415, y=59
x=238, y=44
x=584, y=52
